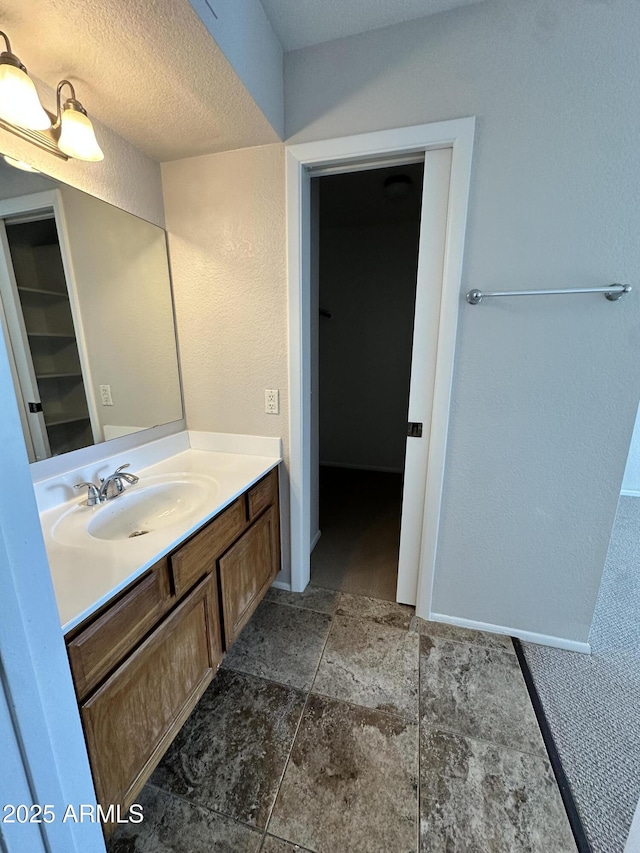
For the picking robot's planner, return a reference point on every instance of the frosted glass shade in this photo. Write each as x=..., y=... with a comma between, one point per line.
x=19, y=102
x=77, y=137
x=19, y=164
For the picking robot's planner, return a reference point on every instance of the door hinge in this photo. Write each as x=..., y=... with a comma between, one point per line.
x=35, y=407
x=414, y=430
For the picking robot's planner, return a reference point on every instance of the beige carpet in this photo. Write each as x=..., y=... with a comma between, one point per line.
x=360, y=524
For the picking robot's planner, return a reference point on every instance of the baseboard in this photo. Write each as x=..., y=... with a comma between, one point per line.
x=315, y=540
x=281, y=585
x=527, y=636
x=629, y=493
x=354, y=467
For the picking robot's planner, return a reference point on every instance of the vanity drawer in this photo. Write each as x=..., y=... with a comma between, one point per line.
x=199, y=555
x=96, y=649
x=263, y=494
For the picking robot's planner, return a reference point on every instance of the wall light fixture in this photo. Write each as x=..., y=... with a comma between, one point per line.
x=77, y=137
x=19, y=102
x=68, y=133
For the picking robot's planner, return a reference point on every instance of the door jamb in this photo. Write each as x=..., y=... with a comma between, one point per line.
x=458, y=134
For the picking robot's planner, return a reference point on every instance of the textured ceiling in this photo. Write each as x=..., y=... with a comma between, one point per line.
x=299, y=23
x=147, y=68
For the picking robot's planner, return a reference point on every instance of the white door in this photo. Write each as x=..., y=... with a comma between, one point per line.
x=433, y=229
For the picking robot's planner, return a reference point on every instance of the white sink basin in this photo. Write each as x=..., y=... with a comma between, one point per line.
x=152, y=505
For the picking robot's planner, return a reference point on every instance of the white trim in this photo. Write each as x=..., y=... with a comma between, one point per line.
x=629, y=493
x=527, y=636
x=457, y=134
x=432, y=246
x=298, y=267
x=352, y=466
x=281, y=585
x=315, y=540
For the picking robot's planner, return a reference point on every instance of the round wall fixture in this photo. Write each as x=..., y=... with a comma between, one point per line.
x=397, y=186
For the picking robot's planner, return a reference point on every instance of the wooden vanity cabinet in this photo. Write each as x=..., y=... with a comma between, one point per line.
x=247, y=571
x=132, y=718
x=142, y=662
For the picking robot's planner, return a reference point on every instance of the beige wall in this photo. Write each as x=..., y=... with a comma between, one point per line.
x=225, y=218
x=122, y=279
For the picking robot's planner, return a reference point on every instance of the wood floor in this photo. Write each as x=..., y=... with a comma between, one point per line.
x=360, y=524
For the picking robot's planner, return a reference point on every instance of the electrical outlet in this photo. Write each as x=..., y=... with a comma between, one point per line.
x=105, y=395
x=272, y=401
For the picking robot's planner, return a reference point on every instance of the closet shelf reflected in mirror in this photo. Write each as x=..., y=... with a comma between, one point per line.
x=86, y=312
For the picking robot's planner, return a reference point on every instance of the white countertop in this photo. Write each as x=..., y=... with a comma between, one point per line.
x=86, y=576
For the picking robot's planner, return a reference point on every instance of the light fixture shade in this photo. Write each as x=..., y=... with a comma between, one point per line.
x=19, y=102
x=19, y=164
x=77, y=137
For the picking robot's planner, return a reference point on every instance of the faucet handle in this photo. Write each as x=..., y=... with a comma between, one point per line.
x=122, y=467
x=93, y=495
x=130, y=478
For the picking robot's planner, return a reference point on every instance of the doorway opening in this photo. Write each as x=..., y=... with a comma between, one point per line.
x=447, y=149
x=364, y=258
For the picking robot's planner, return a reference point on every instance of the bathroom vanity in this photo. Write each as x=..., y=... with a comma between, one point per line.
x=143, y=661
x=148, y=618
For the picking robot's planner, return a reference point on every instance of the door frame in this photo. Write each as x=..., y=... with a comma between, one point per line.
x=457, y=134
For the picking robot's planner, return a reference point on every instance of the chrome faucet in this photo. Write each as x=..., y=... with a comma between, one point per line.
x=110, y=487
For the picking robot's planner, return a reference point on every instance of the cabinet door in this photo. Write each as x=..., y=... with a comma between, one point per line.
x=131, y=720
x=247, y=571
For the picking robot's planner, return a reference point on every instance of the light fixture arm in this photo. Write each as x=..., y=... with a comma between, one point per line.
x=70, y=104
x=8, y=56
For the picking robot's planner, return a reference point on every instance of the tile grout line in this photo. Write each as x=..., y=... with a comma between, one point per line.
x=400, y=717
x=467, y=642
x=197, y=805
x=293, y=740
x=445, y=731
x=408, y=720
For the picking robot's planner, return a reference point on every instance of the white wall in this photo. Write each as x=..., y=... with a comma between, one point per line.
x=631, y=480
x=226, y=224
x=542, y=412
x=368, y=284
x=243, y=32
x=124, y=293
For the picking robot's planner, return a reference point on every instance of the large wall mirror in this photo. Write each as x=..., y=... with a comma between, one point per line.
x=87, y=316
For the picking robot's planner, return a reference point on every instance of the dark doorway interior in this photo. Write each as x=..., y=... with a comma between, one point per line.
x=369, y=224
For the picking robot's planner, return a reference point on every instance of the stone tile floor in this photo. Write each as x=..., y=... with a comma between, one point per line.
x=342, y=724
